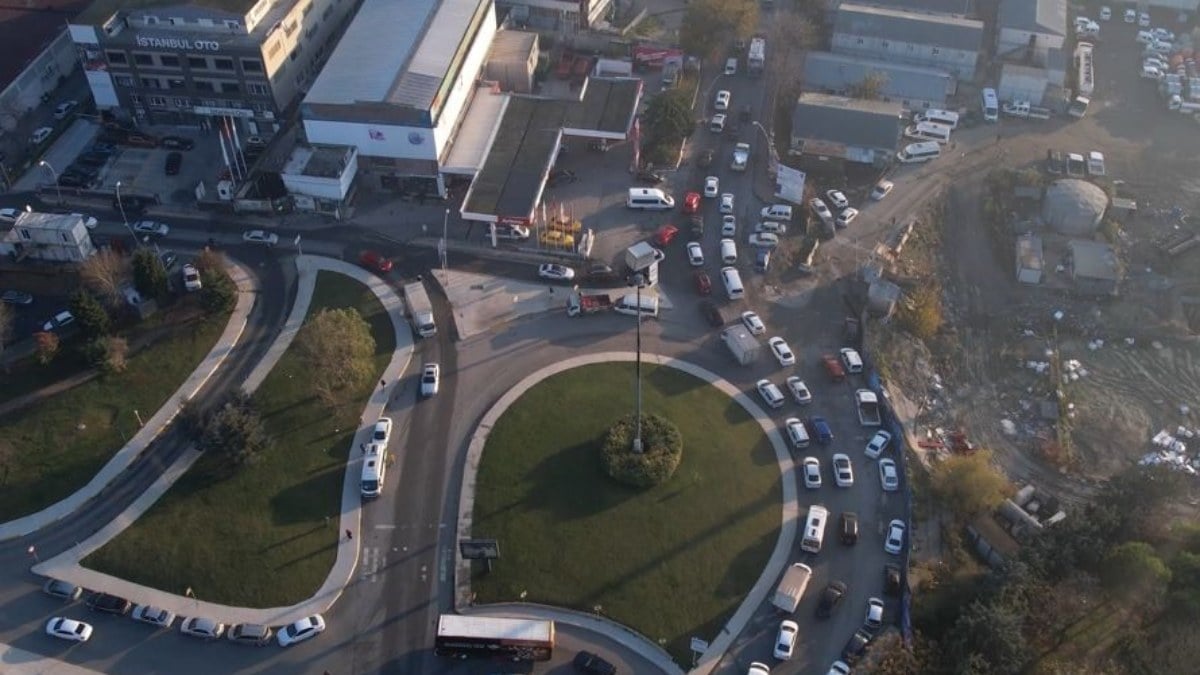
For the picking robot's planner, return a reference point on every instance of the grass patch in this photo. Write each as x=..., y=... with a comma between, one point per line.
x=57, y=445
x=671, y=561
x=267, y=535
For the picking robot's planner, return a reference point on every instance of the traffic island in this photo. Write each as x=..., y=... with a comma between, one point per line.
x=671, y=561
x=661, y=448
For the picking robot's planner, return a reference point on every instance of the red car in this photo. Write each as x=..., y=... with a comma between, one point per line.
x=691, y=202
x=665, y=234
x=375, y=261
x=833, y=367
x=703, y=283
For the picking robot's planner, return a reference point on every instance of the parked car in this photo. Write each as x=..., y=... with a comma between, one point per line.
x=155, y=616
x=250, y=634
x=649, y=177
x=63, y=109
x=726, y=203
x=601, y=274
x=712, y=186
x=430, y=379
x=703, y=282
x=58, y=321
x=173, y=163
x=14, y=297
x=849, y=528
x=728, y=225
x=847, y=216
x=382, y=431
x=1055, y=164
x=131, y=205
x=665, y=234
x=785, y=641
x=176, y=143
x=831, y=597
x=855, y=646
x=821, y=430
x=705, y=160
x=874, y=619
x=712, y=314
x=555, y=272
x=695, y=254
x=40, y=135
x=836, y=198
x=200, y=627
x=812, y=473
x=753, y=323
x=68, y=629
x=299, y=631
x=63, y=590
x=107, y=603
x=93, y=159
x=843, y=470
x=781, y=350
x=375, y=261
x=818, y=207
x=9, y=215
x=889, y=477
x=592, y=664
x=882, y=189
x=895, y=537
x=799, y=390
x=891, y=579
x=151, y=227
x=878, y=443
x=764, y=240
x=260, y=237
x=796, y=432
x=191, y=278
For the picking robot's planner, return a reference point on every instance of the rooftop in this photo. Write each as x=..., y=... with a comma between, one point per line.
x=851, y=121
x=964, y=7
x=1035, y=16
x=608, y=105
x=943, y=30
x=35, y=220
x=479, y=125
x=838, y=72
x=512, y=45
x=318, y=161
x=26, y=28
x=100, y=10
x=1094, y=260
x=510, y=181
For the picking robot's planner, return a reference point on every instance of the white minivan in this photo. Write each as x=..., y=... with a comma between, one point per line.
x=728, y=252
x=733, y=283
x=929, y=131
x=914, y=153
x=777, y=212
x=650, y=199
x=946, y=117
x=630, y=304
x=373, y=471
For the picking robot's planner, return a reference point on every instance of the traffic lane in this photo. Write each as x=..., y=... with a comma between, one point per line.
x=568, y=641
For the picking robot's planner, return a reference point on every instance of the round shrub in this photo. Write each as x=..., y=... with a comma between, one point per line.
x=662, y=448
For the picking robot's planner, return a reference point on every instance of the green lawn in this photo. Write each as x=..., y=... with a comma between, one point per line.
x=267, y=535
x=57, y=445
x=673, y=561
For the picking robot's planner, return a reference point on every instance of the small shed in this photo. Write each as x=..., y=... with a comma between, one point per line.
x=512, y=60
x=1094, y=267
x=1030, y=259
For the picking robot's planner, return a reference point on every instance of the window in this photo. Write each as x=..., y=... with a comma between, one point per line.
x=181, y=102
x=65, y=238
x=25, y=234
x=223, y=64
x=289, y=28
x=252, y=65
x=135, y=99
x=197, y=63
x=176, y=83
x=116, y=57
x=143, y=59
x=273, y=49
x=168, y=60
x=230, y=88
x=230, y=23
x=257, y=89
x=860, y=41
x=151, y=83
x=203, y=85
x=157, y=101
x=176, y=21
x=124, y=80
x=295, y=53
x=884, y=44
x=152, y=21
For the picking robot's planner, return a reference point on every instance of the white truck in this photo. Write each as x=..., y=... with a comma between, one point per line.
x=420, y=310
x=756, y=58
x=741, y=157
x=1024, y=110
x=744, y=347
x=641, y=255
x=868, y=408
x=791, y=588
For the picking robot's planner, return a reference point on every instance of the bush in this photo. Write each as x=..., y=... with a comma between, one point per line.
x=46, y=344
x=217, y=293
x=921, y=313
x=662, y=446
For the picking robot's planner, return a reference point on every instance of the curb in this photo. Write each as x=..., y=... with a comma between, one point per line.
x=789, y=515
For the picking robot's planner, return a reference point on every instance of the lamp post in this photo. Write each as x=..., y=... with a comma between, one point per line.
x=53, y=176
x=445, y=223
x=639, y=280
x=124, y=218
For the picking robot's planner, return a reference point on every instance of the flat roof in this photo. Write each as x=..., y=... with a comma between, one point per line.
x=511, y=179
x=26, y=28
x=101, y=10
x=317, y=161
x=479, y=126
x=608, y=105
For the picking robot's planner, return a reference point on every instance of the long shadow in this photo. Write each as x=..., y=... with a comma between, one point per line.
x=295, y=504
x=302, y=558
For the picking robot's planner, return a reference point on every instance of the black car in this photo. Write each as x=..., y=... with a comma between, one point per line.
x=712, y=314
x=706, y=159
x=103, y=148
x=891, y=580
x=1054, y=162
x=592, y=664
x=109, y=604
x=174, y=161
x=601, y=274
x=849, y=528
x=14, y=297
x=168, y=259
x=831, y=597
x=855, y=646
x=176, y=143
x=744, y=114
x=74, y=180
x=89, y=172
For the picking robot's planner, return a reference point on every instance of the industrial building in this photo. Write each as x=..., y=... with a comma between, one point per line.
x=944, y=41
x=854, y=130
x=1031, y=45
x=559, y=16
x=53, y=237
x=914, y=87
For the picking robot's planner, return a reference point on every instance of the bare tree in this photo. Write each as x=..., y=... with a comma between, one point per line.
x=791, y=34
x=105, y=273
x=871, y=87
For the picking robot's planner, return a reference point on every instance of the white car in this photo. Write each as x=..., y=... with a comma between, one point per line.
x=1162, y=35
x=722, y=100
x=1105, y=13
x=728, y=226
x=206, y=629
x=882, y=189
x=772, y=226
x=843, y=470
x=820, y=209
x=757, y=668
x=874, y=618
x=1130, y=16
x=712, y=186
x=430, y=377
x=799, y=390
x=812, y=473
x=555, y=272
x=839, y=668
x=382, y=433
x=191, y=278
x=764, y=239
x=40, y=135
x=770, y=393
x=260, y=237
x=1143, y=19
x=753, y=323
x=878, y=443
x=695, y=254
x=785, y=642
x=895, y=537
x=89, y=222
x=9, y=215
x=796, y=432
x=151, y=227
x=889, y=476
x=63, y=109
x=717, y=125
x=304, y=629
x=847, y=217
x=68, y=629
x=783, y=353
x=155, y=616
x=838, y=199
x=63, y=318
x=727, y=203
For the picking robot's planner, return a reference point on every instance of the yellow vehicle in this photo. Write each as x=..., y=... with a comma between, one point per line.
x=565, y=226
x=556, y=239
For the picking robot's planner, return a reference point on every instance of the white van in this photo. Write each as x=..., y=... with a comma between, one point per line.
x=733, y=283
x=731, y=66
x=991, y=105
x=919, y=152
x=929, y=131
x=373, y=471
x=650, y=199
x=937, y=116
x=629, y=305
x=777, y=212
x=728, y=252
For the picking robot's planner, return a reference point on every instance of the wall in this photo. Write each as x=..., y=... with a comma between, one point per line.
x=1021, y=87
x=1011, y=40
x=374, y=140
x=451, y=114
x=961, y=63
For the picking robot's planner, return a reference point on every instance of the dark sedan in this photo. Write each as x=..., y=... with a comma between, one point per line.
x=12, y=297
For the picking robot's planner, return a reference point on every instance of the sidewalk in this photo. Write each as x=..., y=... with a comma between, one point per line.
x=780, y=556
x=66, y=566
x=247, y=293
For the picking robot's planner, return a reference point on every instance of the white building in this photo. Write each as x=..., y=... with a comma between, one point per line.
x=947, y=42
x=1029, y=30
x=47, y=236
x=319, y=177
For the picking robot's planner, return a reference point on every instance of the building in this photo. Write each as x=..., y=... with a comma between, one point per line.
x=512, y=60
x=1033, y=83
x=1028, y=30
x=1074, y=207
x=914, y=87
x=404, y=111
x=856, y=130
x=944, y=41
x=319, y=177
x=1030, y=259
x=46, y=236
x=206, y=62
x=560, y=16
x=960, y=7
x=1093, y=266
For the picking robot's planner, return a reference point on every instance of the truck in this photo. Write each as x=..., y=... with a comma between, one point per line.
x=791, y=588
x=579, y=304
x=640, y=256
x=1024, y=110
x=756, y=58
x=420, y=310
x=1078, y=107
x=741, y=157
x=868, y=408
x=744, y=347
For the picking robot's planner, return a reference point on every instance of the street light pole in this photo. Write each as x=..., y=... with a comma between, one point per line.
x=637, y=433
x=124, y=218
x=445, y=223
x=54, y=177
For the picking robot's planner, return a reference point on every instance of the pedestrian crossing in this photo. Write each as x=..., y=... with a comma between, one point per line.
x=372, y=560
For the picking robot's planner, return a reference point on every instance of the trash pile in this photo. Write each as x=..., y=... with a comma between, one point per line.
x=1171, y=451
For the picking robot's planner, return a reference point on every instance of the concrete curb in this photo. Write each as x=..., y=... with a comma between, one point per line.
x=778, y=561
x=66, y=566
x=247, y=294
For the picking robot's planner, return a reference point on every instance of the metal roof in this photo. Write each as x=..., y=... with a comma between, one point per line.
x=479, y=126
x=853, y=122
x=839, y=72
x=964, y=7
x=1094, y=260
x=511, y=179
x=942, y=30
x=1036, y=16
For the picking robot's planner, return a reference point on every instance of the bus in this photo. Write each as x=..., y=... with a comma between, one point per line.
x=814, y=528
x=946, y=117
x=489, y=637
x=919, y=152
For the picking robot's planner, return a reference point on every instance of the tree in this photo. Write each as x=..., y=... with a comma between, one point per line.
x=1184, y=591
x=339, y=350
x=46, y=347
x=896, y=658
x=234, y=433
x=149, y=275
x=986, y=639
x=6, y=327
x=217, y=292
x=89, y=314
x=111, y=354
x=1134, y=570
x=668, y=118
x=871, y=86
x=708, y=25
x=209, y=260
x=104, y=273
x=968, y=484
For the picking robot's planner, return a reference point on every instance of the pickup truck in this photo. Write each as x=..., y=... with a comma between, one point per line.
x=579, y=304
x=741, y=157
x=868, y=408
x=1024, y=110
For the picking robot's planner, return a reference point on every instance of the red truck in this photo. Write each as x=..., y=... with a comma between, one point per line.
x=579, y=304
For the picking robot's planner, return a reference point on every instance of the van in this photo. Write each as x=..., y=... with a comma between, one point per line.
x=731, y=66
x=728, y=252
x=777, y=212
x=762, y=260
x=929, y=131
x=650, y=199
x=937, y=116
x=919, y=152
x=373, y=471
x=853, y=361
x=991, y=105
x=629, y=304
x=733, y=283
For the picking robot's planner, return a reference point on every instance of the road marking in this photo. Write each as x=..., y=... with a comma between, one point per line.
x=385, y=527
x=373, y=558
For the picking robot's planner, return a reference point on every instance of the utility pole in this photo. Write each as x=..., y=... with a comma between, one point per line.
x=637, y=434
